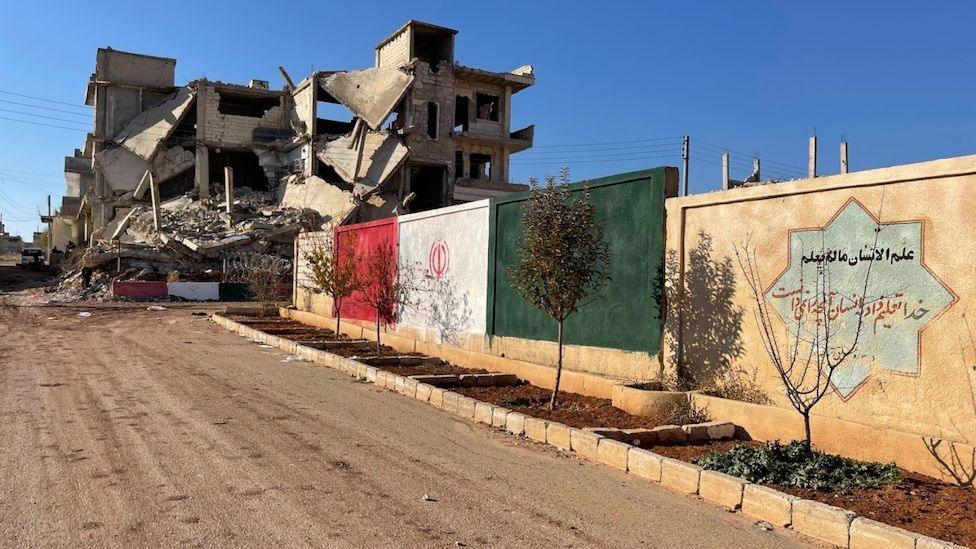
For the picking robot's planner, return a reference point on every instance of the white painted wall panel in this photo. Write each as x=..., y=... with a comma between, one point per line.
x=196, y=291
x=448, y=247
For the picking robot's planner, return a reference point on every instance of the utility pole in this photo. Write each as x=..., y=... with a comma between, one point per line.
x=686, y=159
x=50, y=230
x=756, y=166
x=844, y=166
x=725, y=171
x=812, y=163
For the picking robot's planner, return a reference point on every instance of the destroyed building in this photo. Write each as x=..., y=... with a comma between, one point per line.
x=416, y=131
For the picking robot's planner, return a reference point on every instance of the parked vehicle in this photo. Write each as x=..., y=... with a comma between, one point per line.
x=32, y=258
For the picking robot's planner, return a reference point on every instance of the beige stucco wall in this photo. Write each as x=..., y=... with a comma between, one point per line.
x=938, y=400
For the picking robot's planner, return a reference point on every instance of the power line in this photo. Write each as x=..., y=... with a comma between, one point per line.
x=608, y=143
x=42, y=124
x=45, y=116
x=45, y=100
x=85, y=114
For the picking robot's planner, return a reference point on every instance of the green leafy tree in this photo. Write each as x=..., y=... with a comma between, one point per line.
x=564, y=258
x=334, y=274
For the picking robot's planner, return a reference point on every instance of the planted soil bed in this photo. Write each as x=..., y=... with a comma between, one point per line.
x=432, y=370
x=574, y=410
x=918, y=503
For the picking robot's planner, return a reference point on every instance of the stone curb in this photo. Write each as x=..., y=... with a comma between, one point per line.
x=817, y=520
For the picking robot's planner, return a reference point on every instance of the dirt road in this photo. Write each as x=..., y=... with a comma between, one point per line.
x=138, y=428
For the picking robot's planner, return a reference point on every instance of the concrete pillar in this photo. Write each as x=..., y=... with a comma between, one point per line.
x=201, y=175
x=507, y=115
x=503, y=165
x=466, y=162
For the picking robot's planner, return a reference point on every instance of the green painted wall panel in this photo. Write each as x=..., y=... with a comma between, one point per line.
x=625, y=314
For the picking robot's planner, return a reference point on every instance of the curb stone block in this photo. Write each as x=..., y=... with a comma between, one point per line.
x=925, y=542
x=423, y=392
x=465, y=407
x=696, y=432
x=680, y=476
x=371, y=374
x=613, y=453
x=436, y=397
x=409, y=387
x=379, y=378
x=721, y=489
x=449, y=401
x=644, y=464
x=585, y=443
x=558, y=435
x=639, y=437
x=535, y=428
x=823, y=522
x=871, y=534
x=515, y=423
x=499, y=417
x=361, y=371
x=772, y=506
x=720, y=430
x=670, y=434
x=483, y=412
x=398, y=382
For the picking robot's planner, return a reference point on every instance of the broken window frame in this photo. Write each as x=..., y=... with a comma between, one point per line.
x=481, y=166
x=433, y=120
x=493, y=102
x=462, y=114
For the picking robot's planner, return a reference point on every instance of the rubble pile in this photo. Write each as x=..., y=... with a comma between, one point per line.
x=199, y=230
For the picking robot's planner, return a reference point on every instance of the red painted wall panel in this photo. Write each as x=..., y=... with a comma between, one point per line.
x=140, y=289
x=363, y=238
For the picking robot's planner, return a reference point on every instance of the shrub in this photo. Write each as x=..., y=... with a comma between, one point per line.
x=794, y=464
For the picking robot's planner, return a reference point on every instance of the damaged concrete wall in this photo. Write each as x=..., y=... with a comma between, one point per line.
x=229, y=130
x=437, y=87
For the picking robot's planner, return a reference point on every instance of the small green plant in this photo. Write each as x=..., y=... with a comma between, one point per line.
x=795, y=464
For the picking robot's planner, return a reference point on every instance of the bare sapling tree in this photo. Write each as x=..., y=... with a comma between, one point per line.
x=264, y=274
x=819, y=338
x=564, y=258
x=385, y=285
x=333, y=272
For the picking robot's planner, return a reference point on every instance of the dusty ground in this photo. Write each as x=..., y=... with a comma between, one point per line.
x=138, y=428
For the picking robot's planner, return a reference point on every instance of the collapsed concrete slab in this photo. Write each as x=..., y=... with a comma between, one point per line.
x=369, y=163
x=370, y=93
x=332, y=203
x=144, y=134
x=121, y=168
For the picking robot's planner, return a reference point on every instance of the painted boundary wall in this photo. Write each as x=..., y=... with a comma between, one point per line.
x=625, y=314
x=910, y=387
x=447, y=248
x=465, y=299
x=192, y=291
x=364, y=238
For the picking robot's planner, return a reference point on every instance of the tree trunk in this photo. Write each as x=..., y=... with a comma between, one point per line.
x=377, y=332
x=806, y=430
x=559, y=364
x=338, y=303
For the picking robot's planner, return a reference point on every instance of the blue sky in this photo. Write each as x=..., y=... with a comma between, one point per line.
x=896, y=79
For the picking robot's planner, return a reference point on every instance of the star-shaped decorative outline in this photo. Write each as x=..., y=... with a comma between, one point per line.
x=925, y=325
